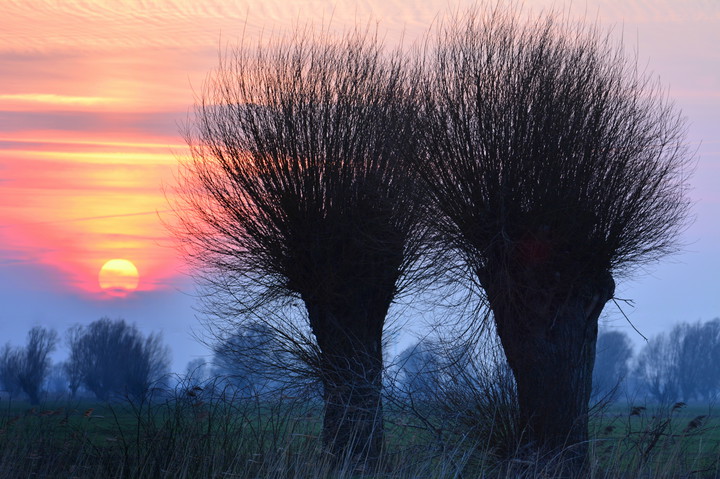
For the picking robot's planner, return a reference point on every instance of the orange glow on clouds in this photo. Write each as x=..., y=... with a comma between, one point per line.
x=73, y=206
x=92, y=94
x=17, y=100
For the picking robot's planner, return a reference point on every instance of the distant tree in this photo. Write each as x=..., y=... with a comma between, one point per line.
x=707, y=344
x=10, y=363
x=148, y=362
x=113, y=357
x=249, y=358
x=613, y=352
x=56, y=382
x=35, y=361
x=25, y=369
x=420, y=370
x=698, y=345
x=553, y=165
x=295, y=195
x=683, y=364
x=656, y=368
x=73, y=365
x=196, y=372
x=464, y=383
x=479, y=395
x=689, y=356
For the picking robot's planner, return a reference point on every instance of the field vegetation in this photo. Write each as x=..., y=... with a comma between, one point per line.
x=203, y=431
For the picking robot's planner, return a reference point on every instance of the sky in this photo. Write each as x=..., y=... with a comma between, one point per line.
x=94, y=94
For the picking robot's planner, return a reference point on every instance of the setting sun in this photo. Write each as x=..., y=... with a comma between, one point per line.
x=118, y=276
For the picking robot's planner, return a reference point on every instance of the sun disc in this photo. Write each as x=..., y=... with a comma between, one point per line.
x=119, y=275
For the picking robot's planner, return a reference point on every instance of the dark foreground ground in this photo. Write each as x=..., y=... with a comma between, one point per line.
x=192, y=436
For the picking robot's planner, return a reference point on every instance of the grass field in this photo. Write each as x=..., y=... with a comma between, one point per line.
x=674, y=441
x=190, y=436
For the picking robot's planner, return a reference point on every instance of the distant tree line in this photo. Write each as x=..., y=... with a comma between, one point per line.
x=108, y=358
x=682, y=364
x=676, y=366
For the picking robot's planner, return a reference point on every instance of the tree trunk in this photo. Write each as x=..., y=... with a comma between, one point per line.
x=353, y=424
x=351, y=366
x=552, y=353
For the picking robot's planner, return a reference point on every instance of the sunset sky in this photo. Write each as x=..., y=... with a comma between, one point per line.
x=93, y=95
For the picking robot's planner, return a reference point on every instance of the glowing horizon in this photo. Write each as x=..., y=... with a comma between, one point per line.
x=90, y=111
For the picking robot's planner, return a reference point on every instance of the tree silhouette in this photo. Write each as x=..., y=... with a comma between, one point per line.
x=554, y=166
x=420, y=370
x=73, y=366
x=681, y=365
x=613, y=351
x=25, y=368
x=249, y=358
x=295, y=195
x=10, y=364
x=656, y=368
x=35, y=361
x=111, y=357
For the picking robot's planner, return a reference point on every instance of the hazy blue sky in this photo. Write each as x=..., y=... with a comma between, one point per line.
x=91, y=95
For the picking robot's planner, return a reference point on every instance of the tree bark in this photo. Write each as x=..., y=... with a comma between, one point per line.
x=351, y=367
x=551, y=351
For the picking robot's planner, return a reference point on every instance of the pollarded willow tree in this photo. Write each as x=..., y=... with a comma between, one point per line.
x=554, y=166
x=295, y=192
x=111, y=358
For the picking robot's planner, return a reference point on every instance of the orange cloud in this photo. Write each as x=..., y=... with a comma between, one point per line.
x=76, y=208
x=92, y=94
x=9, y=101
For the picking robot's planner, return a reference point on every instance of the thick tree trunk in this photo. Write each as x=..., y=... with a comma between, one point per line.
x=351, y=366
x=552, y=353
x=353, y=424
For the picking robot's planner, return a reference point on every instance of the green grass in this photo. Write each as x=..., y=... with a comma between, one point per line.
x=195, y=437
x=676, y=440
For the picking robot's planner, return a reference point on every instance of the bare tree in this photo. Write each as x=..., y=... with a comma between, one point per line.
x=613, y=352
x=419, y=370
x=147, y=363
x=113, y=357
x=73, y=366
x=554, y=166
x=252, y=358
x=10, y=363
x=295, y=195
x=682, y=365
x=698, y=350
x=689, y=356
x=35, y=361
x=56, y=383
x=656, y=368
x=196, y=372
x=707, y=345
x=25, y=369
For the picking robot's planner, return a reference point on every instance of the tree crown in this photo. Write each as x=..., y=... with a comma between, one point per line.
x=547, y=152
